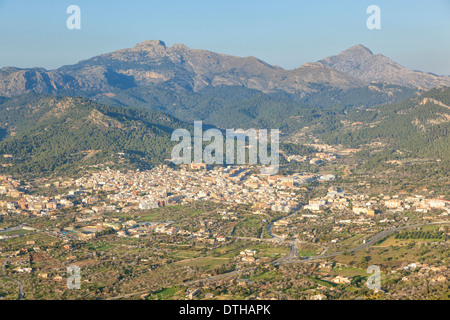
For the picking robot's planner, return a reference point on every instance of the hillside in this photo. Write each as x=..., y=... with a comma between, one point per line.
x=359, y=62
x=232, y=107
x=151, y=63
x=45, y=134
x=415, y=128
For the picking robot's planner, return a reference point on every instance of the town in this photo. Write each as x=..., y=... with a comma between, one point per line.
x=200, y=231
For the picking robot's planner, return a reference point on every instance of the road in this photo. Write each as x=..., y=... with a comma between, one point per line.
x=11, y=229
x=292, y=254
x=19, y=284
x=293, y=257
x=269, y=227
x=372, y=241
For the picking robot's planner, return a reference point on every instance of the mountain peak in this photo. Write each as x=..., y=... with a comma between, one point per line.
x=180, y=46
x=151, y=43
x=359, y=62
x=359, y=49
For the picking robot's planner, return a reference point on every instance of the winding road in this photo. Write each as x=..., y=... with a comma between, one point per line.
x=20, y=285
x=379, y=236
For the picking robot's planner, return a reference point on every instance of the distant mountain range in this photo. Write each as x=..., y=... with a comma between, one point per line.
x=361, y=63
x=152, y=63
x=45, y=134
x=121, y=107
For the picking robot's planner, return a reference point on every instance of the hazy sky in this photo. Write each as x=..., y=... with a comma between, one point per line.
x=414, y=33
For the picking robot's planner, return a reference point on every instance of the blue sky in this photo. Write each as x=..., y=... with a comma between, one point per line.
x=414, y=33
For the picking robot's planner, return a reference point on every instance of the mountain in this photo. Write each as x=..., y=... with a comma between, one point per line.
x=152, y=63
x=120, y=108
x=46, y=133
x=416, y=128
x=359, y=62
x=16, y=81
x=179, y=68
x=240, y=107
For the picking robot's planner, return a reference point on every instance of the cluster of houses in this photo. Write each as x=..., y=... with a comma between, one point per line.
x=317, y=158
x=248, y=256
x=355, y=210
x=361, y=204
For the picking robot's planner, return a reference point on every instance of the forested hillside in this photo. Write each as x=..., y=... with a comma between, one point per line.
x=239, y=107
x=42, y=134
x=415, y=128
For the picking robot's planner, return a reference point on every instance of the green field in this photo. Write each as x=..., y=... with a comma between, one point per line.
x=20, y=232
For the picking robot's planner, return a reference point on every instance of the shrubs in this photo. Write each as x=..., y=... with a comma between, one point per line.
x=428, y=235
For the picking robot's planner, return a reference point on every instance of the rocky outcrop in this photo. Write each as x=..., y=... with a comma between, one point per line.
x=358, y=61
